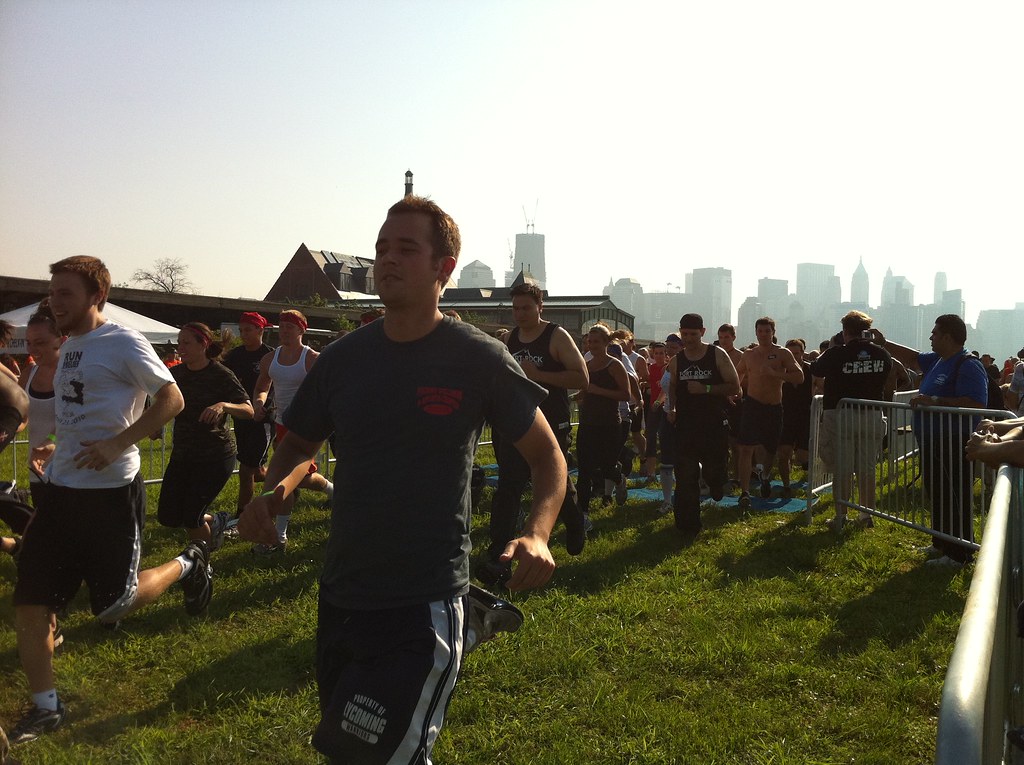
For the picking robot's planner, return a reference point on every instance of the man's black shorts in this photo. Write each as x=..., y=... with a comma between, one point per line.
x=90, y=535
x=761, y=424
x=385, y=678
x=253, y=441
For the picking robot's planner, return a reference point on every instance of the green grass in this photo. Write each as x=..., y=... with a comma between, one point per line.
x=766, y=641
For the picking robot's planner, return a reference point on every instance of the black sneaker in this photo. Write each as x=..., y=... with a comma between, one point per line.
x=575, y=534
x=744, y=502
x=493, y=573
x=487, y=615
x=198, y=583
x=35, y=722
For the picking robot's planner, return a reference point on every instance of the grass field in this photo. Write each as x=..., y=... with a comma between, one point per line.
x=766, y=641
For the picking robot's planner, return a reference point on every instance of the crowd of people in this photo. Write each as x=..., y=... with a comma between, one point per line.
x=397, y=611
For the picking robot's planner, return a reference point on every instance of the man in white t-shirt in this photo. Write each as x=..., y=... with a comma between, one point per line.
x=88, y=522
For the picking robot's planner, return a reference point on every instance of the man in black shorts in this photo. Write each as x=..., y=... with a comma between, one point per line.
x=763, y=368
x=394, y=617
x=251, y=438
x=549, y=357
x=88, y=522
x=702, y=378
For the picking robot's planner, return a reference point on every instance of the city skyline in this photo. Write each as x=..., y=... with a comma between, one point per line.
x=663, y=136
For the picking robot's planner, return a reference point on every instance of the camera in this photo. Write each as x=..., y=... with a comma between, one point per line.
x=867, y=335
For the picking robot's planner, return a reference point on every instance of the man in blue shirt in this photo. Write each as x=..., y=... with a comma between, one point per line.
x=952, y=377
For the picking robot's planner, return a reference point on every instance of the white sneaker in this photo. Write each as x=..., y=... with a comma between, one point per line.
x=944, y=562
x=621, y=491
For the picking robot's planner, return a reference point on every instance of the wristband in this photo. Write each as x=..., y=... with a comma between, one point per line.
x=709, y=389
x=267, y=494
x=52, y=438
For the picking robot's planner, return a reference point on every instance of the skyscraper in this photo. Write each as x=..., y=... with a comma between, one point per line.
x=529, y=257
x=940, y=287
x=859, y=285
x=712, y=293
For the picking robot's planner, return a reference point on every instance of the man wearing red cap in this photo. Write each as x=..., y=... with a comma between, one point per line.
x=252, y=438
x=285, y=369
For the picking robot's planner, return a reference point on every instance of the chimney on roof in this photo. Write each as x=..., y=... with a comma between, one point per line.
x=408, y=183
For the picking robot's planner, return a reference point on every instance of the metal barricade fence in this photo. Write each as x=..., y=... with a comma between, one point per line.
x=911, y=465
x=981, y=695
x=819, y=479
x=153, y=456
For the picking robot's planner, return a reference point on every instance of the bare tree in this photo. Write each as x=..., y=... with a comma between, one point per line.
x=166, y=275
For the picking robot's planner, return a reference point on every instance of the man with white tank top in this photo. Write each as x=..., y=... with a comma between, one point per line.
x=285, y=369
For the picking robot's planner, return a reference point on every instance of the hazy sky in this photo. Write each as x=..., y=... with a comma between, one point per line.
x=647, y=139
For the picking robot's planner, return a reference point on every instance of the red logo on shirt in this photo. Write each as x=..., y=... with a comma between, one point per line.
x=442, y=401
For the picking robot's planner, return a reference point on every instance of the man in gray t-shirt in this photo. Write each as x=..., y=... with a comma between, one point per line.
x=394, y=616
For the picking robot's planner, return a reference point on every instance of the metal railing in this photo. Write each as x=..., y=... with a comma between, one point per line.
x=981, y=696
x=819, y=478
x=920, y=479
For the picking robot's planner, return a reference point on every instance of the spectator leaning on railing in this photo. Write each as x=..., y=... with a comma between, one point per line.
x=952, y=378
x=998, y=443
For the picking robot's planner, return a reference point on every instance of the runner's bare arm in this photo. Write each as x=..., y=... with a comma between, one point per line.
x=166, y=404
x=548, y=475
x=288, y=466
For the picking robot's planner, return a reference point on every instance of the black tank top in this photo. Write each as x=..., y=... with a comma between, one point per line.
x=596, y=408
x=556, y=406
x=701, y=407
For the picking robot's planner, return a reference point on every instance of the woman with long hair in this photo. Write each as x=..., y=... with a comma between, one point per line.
x=203, y=452
x=599, y=438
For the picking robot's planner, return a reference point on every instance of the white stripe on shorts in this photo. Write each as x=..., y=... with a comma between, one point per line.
x=122, y=605
x=448, y=618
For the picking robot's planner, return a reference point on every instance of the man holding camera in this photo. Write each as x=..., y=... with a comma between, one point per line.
x=858, y=369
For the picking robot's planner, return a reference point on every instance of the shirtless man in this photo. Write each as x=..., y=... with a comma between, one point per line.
x=762, y=371
x=286, y=368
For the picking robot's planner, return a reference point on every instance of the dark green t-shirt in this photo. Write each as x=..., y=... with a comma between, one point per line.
x=195, y=440
x=406, y=419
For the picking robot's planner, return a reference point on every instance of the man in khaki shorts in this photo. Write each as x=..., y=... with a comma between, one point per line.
x=857, y=369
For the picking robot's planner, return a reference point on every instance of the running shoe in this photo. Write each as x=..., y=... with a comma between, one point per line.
x=764, y=480
x=836, y=524
x=218, y=527
x=265, y=551
x=198, y=582
x=493, y=573
x=487, y=615
x=744, y=501
x=35, y=722
x=575, y=533
x=944, y=562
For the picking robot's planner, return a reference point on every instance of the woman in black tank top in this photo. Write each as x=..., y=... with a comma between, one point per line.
x=599, y=437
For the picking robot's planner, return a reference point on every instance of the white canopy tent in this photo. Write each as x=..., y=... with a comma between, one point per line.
x=155, y=331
